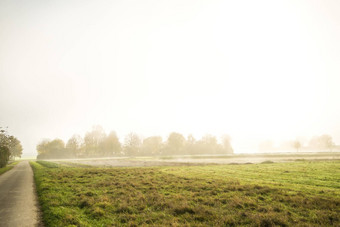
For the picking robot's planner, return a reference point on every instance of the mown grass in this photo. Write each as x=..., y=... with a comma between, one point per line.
x=8, y=167
x=283, y=194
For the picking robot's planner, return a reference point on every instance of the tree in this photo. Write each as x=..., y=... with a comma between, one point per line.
x=15, y=148
x=57, y=148
x=74, y=145
x=112, y=145
x=226, y=144
x=152, y=145
x=4, y=155
x=93, y=141
x=327, y=142
x=132, y=144
x=13, y=144
x=51, y=149
x=175, y=143
x=208, y=145
x=10, y=147
x=322, y=142
x=297, y=145
x=190, y=145
x=42, y=148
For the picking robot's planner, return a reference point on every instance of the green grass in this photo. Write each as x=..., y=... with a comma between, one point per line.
x=283, y=194
x=48, y=164
x=8, y=167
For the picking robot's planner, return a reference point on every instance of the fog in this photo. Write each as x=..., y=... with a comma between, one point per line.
x=255, y=70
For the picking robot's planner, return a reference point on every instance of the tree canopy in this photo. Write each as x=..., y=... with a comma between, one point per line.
x=96, y=143
x=10, y=147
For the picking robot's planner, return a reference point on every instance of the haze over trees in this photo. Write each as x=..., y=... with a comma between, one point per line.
x=315, y=144
x=323, y=143
x=96, y=143
x=297, y=145
x=52, y=149
x=10, y=147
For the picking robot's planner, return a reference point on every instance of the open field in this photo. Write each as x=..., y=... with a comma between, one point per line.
x=181, y=160
x=295, y=193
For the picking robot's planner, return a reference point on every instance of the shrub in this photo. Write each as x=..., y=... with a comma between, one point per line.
x=4, y=156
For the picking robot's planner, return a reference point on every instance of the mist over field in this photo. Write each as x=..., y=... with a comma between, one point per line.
x=256, y=71
x=169, y=113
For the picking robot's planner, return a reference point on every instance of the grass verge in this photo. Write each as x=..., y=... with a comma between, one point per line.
x=282, y=194
x=8, y=167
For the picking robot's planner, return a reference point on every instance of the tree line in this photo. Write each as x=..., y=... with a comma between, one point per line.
x=10, y=147
x=317, y=143
x=96, y=143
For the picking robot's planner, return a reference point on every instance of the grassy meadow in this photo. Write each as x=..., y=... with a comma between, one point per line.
x=284, y=194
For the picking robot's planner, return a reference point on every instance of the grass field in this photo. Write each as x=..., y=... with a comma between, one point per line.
x=284, y=194
x=8, y=167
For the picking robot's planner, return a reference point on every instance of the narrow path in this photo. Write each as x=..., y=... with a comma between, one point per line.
x=18, y=202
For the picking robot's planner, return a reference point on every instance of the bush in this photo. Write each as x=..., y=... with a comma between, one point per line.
x=4, y=156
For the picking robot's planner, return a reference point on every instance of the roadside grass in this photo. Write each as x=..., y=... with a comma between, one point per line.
x=73, y=164
x=8, y=167
x=283, y=194
x=48, y=164
x=58, y=164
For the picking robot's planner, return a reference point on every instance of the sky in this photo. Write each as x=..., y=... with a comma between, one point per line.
x=255, y=70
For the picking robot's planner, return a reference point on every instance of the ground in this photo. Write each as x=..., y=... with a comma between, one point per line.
x=18, y=203
x=201, y=159
x=294, y=193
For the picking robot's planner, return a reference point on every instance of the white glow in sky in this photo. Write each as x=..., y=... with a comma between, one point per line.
x=253, y=69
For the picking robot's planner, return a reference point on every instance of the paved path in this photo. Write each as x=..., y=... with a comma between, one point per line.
x=18, y=202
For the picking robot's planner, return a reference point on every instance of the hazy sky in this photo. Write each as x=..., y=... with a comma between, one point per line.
x=252, y=69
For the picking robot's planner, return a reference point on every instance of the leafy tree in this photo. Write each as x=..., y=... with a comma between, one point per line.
x=152, y=145
x=322, y=143
x=74, y=145
x=190, y=145
x=96, y=143
x=208, y=145
x=327, y=142
x=10, y=147
x=4, y=155
x=132, y=144
x=175, y=143
x=15, y=148
x=42, y=148
x=212, y=146
x=57, y=148
x=226, y=144
x=93, y=141
x=112, y=146
x=52, y=149
x=13, y=145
